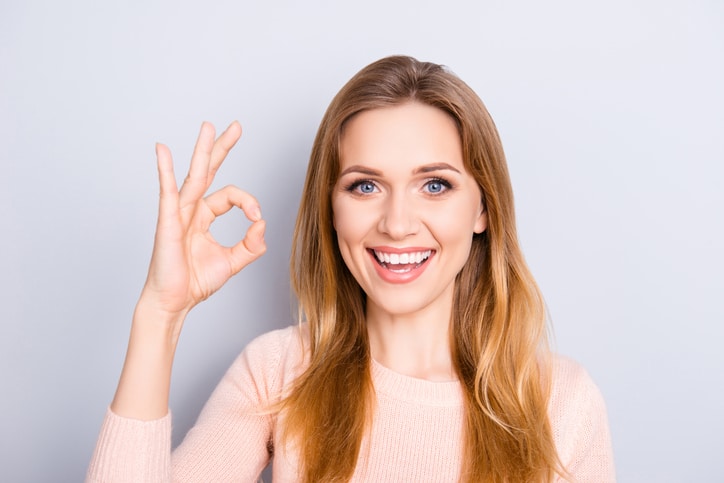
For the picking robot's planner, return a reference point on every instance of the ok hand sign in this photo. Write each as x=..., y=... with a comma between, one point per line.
x=188, y=264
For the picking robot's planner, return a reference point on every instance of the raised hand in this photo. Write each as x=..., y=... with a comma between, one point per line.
x=188, y=264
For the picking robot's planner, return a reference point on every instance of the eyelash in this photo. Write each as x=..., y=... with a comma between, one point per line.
x=353, y=187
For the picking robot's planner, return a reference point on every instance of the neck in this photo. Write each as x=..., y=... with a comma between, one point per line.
x=415, y=344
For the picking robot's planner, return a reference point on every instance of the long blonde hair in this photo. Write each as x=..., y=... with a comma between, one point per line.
x=498, y=320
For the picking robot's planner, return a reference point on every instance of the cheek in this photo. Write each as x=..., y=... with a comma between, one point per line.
x=350, y=221
x=351, y=228
x=458, y=221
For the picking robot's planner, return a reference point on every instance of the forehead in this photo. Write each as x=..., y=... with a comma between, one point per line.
x=410, y=133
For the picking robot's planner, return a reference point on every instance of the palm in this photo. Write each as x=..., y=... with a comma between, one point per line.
x=188, y=264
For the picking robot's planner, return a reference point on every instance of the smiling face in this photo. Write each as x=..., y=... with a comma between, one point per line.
x=405, y=209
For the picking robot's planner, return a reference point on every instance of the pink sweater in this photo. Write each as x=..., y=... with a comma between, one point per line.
x=415, y=435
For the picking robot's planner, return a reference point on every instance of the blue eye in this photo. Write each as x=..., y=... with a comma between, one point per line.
x=434, y=187
x=362, y=187
x=437, y=186
x=366, y=187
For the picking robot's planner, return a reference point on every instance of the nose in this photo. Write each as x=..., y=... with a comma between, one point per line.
x=399, y=217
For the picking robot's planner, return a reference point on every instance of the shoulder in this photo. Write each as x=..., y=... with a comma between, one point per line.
x=278, y=344
x=572, y=388
x=271, y=361
x=569, y=376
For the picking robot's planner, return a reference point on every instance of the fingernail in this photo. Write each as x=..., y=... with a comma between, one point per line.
x=256, y=213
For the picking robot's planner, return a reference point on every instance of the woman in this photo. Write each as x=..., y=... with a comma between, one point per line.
x=421, y=355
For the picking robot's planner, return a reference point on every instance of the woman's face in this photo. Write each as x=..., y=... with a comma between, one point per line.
x=405, y=209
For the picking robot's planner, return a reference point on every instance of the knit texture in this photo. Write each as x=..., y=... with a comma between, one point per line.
x=416, y=433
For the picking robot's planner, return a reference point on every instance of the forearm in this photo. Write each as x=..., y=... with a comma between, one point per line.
x=143, y=388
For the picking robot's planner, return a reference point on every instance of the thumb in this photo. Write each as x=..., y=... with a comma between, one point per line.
x=250, y=248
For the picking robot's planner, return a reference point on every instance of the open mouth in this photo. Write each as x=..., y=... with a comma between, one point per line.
x=401, y=262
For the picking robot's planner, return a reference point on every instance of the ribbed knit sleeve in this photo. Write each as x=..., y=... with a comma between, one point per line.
x=129, y=450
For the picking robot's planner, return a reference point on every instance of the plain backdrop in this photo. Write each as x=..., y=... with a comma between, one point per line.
x=611, y=114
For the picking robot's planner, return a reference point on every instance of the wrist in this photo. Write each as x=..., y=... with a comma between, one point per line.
x=148, y=317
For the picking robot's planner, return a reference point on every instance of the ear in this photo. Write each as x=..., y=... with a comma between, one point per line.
x=481, y=223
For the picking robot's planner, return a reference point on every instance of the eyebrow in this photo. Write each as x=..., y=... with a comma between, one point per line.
x=360, y=169
x=428, y=168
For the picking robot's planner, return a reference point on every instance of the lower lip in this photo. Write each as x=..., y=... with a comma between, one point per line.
x=407, y=276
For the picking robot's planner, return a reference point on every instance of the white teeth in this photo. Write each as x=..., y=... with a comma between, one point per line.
x=402, y=258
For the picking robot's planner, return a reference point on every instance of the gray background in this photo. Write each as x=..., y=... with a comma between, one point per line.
x=611, y=114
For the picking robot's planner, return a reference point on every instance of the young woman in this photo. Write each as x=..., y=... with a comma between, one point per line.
x=421, y=353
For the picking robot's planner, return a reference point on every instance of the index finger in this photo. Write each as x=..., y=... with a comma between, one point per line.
x=229, y=197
